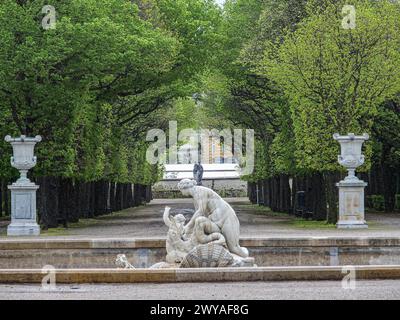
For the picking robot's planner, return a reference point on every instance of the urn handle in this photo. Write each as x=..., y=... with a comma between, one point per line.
x=362, y=160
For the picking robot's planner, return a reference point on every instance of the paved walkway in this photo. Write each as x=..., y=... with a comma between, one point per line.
x=146, y=221
x=313, y=290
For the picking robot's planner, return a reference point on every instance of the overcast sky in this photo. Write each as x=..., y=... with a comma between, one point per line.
x=221, y=2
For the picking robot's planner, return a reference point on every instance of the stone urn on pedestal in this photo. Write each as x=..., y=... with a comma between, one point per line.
x=23, y=191
x=351, y=189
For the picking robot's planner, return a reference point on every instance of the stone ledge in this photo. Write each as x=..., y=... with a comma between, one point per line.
x=322, y=242
x=111, y=243
x=81, y=244
x=198, y=275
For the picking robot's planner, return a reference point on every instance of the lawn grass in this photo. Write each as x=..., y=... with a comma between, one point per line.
x=85, y=223
x=119, y=214
x=61, y=231
x=295, y=222
x=54, y=232
x=261, y=210
x=291, y=220
x=310, y=224
x=82, y=223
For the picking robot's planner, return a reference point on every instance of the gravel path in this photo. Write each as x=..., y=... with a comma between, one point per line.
x=146, y=221
x=321, y=290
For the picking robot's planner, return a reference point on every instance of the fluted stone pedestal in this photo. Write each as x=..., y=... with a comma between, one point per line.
x=23, y=210
x=351, y=204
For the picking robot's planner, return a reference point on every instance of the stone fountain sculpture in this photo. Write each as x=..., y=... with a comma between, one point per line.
x=210, y=238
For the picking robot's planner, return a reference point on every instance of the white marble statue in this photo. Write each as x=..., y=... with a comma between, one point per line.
x=214, y=215
x=209, y=239
x=177, y=246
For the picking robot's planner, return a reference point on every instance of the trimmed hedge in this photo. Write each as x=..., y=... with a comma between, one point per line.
x=397, y=205
x=376, y=202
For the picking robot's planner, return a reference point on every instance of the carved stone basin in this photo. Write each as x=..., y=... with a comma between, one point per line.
x=143, y=253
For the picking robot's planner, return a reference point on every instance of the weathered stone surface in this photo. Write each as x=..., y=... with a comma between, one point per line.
x=23, y=211
x=23, y=191
x=199, y=275
x=208, y=256
x=132, y=243
x=266, y=251
x=351, y=189
x=351, y=205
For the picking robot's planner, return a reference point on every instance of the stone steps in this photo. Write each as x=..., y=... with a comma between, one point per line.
x=131, y=243
x=67, y=276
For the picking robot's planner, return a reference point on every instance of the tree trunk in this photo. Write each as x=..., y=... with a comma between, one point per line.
x=75, y=213
x=1, y=196
x=319, y=203
x=106, y=194
x=92, y=203
x=63, y=202
x=112, y=197
x=137, y=194
x=293, y=194
x=264, y=192
x=6, y=195
x=54, y=190
x=251, y=192
x=275, y=194
x=398, y=180
x=332, y=195
x=118, y=197
x=130, y=196
x=48, y=202
x=83, y=199
x=144, y=188
x=148, y=194
x=260, y=193
x=389, y=187
x=285, y=192
x=87, y=200
x=98, y=194
x=124, y=196
x=108, y=200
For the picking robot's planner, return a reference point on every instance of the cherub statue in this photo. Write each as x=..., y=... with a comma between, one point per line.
x=177, y=245
x=122, y=262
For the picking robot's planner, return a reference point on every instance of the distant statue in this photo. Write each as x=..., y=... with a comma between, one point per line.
x=198, y=173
